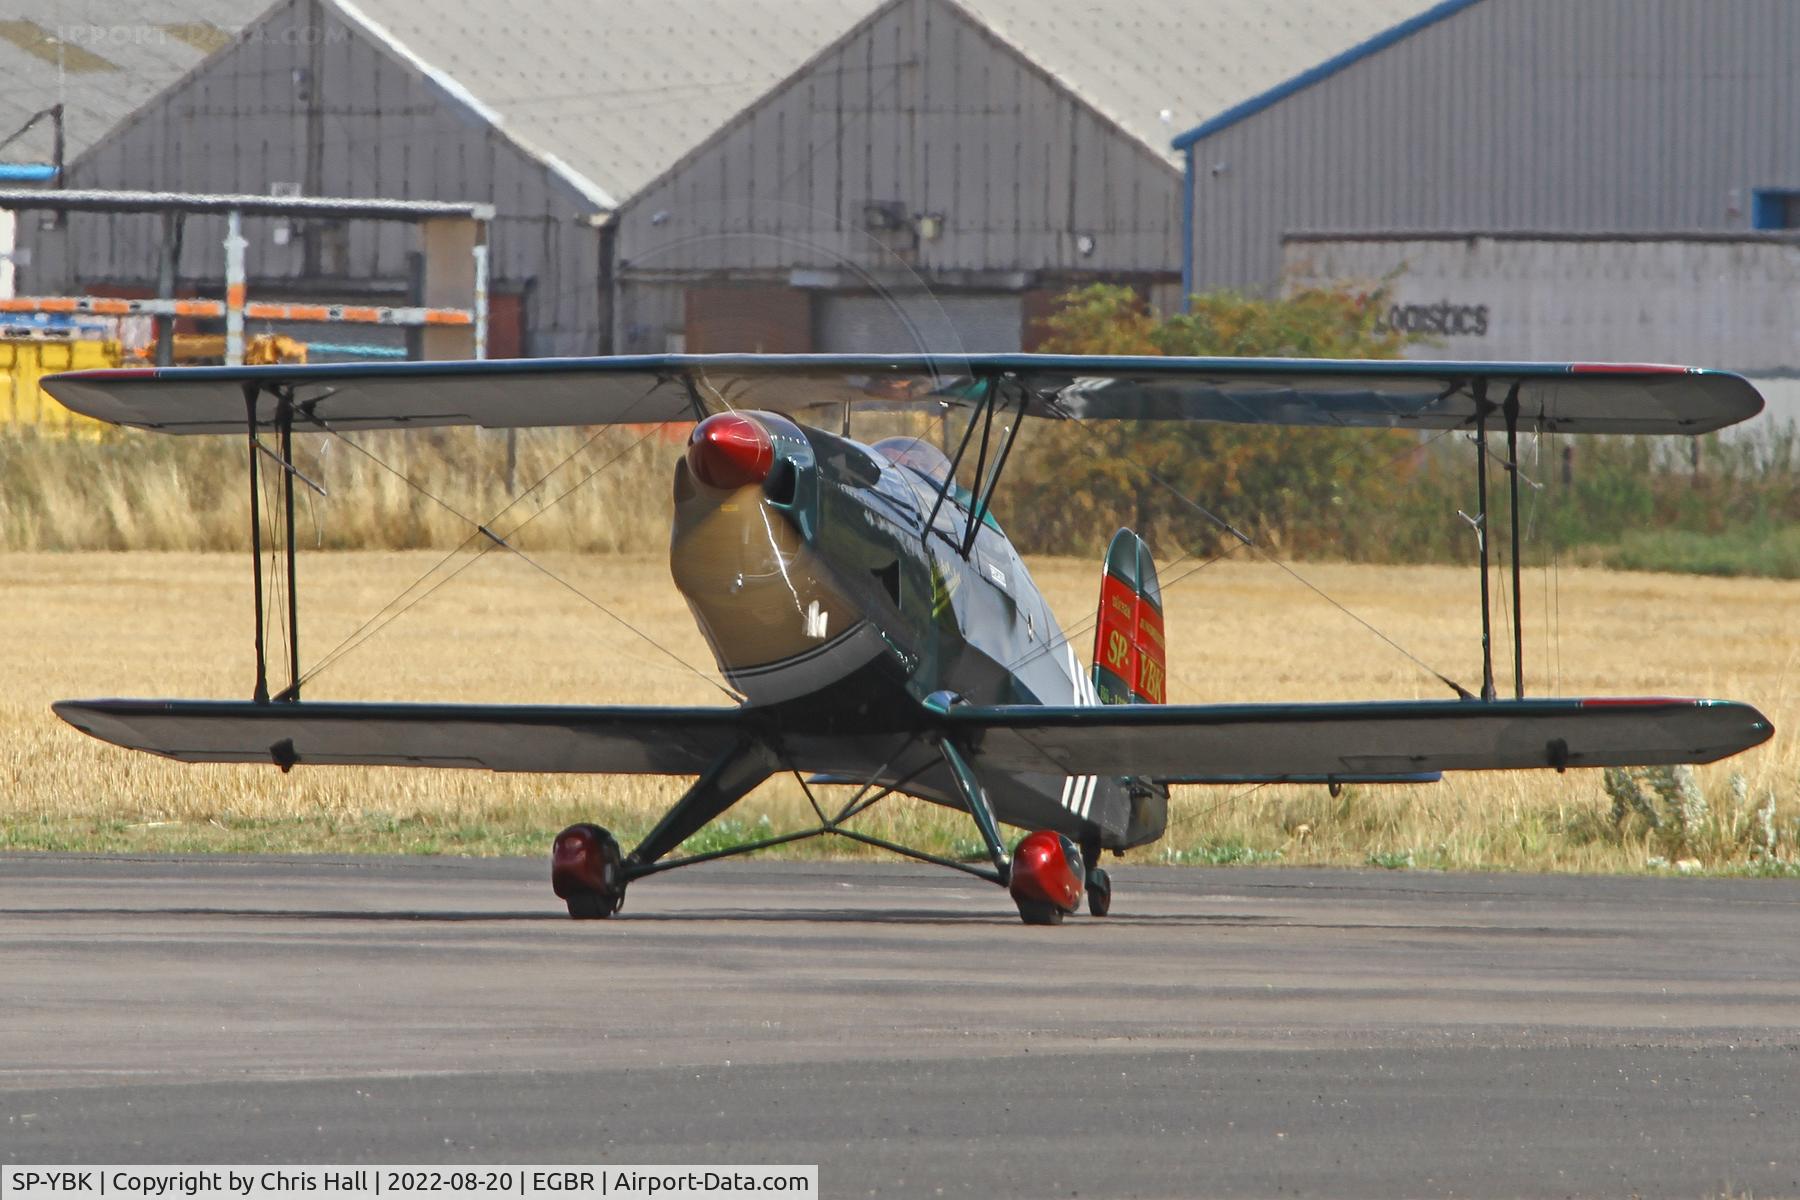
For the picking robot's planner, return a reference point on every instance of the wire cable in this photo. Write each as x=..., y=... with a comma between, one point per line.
x=1245, y=538
x=1239, y=542
x=385, y=617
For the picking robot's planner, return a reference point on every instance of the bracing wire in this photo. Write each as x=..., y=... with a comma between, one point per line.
x=1241, y=540
x=501, y=540
x=275, y=595
x=1245, y=538
x=388, y=614
x=1556, y=591
x=377, y=620
x=1505, y=600
x=1190, y=817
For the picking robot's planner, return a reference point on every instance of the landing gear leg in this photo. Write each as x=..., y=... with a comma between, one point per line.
x=1039, y=876
x=975, y=800
x=587, y=869
x=1099, y=883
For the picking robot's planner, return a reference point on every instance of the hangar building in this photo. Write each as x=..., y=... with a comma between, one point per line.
x=1538, y=179
x=709, y=174
x=73, y=71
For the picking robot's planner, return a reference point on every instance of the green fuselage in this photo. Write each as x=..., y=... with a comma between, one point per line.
x=841, y=607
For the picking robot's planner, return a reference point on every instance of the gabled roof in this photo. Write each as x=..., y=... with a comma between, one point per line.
x=1188, y=59
x=618, y=91
x=611, y=93
x=104, y=59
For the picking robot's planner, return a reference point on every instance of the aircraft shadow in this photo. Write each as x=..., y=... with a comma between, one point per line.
x=921, y=918
x=289, y=914
x=785, y=916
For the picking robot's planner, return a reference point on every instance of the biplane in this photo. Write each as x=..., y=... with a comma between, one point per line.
x=877, y=624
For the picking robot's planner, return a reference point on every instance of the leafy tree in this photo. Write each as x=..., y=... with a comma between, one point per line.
x=1287, y=488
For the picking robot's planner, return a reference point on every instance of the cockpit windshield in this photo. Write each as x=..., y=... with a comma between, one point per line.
x=920, y=456
x=916, y=453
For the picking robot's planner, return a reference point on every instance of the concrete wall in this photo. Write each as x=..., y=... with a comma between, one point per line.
x=1723, y=302
x=1596, y=116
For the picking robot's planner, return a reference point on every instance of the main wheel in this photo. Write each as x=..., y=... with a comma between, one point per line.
x=1099, y=892
x=592, y=906
x=587, y=870
x=1046, y=876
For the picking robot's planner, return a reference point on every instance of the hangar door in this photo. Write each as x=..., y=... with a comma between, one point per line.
x=916, y=322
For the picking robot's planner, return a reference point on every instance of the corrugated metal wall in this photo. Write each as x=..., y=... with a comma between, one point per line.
x=239, y=124
x=1565, y=115
x=923, y=110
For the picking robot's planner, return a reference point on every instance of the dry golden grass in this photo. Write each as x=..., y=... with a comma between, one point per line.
x=597, y=490
x=93, y=624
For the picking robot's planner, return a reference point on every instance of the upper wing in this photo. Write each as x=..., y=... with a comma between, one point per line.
x=637, y=741
x=1204, y=743
x=1573, y=398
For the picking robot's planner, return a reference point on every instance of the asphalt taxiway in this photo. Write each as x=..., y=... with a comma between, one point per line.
x=1226, y=1032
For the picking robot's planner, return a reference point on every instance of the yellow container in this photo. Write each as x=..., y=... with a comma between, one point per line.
x=24, y=405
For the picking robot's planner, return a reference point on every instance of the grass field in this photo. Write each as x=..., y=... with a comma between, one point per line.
x=93, y=624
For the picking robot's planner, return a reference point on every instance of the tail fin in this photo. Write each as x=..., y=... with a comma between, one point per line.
x=1129, y=659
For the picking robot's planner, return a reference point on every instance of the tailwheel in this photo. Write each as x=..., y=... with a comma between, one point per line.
x=1099, y=892
x=587, y=871
x=1046, y=877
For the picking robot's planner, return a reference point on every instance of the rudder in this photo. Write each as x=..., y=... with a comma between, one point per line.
x=1130, y=660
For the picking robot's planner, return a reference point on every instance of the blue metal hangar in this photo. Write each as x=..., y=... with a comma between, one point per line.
x=1531, y=179
x=1602, y=116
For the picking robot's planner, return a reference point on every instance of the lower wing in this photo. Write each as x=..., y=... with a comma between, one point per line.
x=1385, y=740
x=601, y=741
x=1397, y=741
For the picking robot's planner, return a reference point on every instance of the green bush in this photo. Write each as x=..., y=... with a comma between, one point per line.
x=1283, y=487
x=1716, y=505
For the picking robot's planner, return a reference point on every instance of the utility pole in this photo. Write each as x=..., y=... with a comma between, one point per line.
x=313, y=169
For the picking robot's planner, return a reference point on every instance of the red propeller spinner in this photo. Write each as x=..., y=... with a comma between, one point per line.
x=729, y=450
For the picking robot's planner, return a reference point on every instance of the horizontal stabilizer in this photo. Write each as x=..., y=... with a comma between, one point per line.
x=495, y=737
x=1200, y=743
x=647, y=389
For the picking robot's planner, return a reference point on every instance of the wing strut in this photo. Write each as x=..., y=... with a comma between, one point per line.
x=286, y=425
x=986, y=477
x=1481, y=537
x=1510, y=410
x=284, y=428
x=987, y=385
x=978, y=511
x=260, y=692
